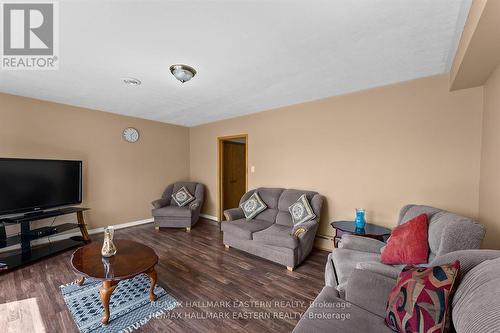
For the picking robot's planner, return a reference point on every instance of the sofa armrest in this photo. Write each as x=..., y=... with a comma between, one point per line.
x=369, y=291
x=363, y=244
x=234, y=214
x=302, y=229
x=160, y=203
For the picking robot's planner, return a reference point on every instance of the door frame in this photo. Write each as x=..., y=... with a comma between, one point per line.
x=220, y=169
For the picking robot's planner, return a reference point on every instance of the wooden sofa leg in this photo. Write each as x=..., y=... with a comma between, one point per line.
x=188, y=229
x=290, y=268
x=227, y=246
x=157, y=229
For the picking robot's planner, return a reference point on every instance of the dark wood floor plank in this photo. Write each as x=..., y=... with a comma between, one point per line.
x=196, y=269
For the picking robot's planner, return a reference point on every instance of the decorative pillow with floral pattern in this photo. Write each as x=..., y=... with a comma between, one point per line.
x=253, y=206
x=182, y=197
x=301, y=211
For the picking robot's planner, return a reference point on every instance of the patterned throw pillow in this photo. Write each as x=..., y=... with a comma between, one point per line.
x=301, y=211
x=253, y=206
x=182, y=197
x=420, y=301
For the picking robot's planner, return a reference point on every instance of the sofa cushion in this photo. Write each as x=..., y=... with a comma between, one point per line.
x=421, y=299
x=244, y=228
x=407, y=243
x=345, y=261
x=270, y=196
x=328, y=313
x=284, y=218
x=476, y=303
x=182, y=197
x=277, y=235
x=369, y=291
x=253, y=206
x=288, y=198
x=172, y=211
x=301, y=211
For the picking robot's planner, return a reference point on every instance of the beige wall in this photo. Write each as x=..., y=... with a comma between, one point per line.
x=378, y=149
x=413, y=142
x=489, y=194
x=120, y=179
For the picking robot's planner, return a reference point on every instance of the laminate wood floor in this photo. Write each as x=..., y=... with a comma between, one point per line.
x=220, y=290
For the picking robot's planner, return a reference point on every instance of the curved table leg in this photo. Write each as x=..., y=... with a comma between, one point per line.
x=83, y=226
x=153, y=277
x=105, y=292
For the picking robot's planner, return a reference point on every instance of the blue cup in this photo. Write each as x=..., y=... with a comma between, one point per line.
x=360, y=221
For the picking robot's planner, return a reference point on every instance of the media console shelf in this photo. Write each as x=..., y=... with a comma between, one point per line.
x=29, y=253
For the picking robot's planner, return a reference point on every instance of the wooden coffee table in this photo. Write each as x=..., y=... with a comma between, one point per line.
x=131, y=259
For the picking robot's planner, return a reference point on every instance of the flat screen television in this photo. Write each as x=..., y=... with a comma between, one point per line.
x=28, y=185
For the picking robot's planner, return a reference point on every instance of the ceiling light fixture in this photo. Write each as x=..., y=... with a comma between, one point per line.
x=131, y=81
x=182, y=73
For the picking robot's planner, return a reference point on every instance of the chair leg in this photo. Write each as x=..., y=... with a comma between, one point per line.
x=289, y=268
x=157, y=229
x=188, y=229
x=227, y=246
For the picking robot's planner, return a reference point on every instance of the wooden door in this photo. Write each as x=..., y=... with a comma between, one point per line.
x=234, y=173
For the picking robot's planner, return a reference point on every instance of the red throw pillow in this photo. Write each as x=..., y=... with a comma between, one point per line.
x=408, y=243
x=420, y=301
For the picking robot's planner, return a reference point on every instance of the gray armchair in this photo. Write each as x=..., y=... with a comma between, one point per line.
x=167, y=214
x=448, y=232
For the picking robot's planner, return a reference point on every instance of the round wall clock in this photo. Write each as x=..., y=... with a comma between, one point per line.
x=130, y=134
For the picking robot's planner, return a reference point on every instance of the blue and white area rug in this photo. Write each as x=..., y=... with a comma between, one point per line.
x=130, y=306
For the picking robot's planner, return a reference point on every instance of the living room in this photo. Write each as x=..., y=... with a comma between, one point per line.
x=369, y=168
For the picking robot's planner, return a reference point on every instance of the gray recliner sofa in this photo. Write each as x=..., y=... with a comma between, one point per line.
x=271, y=234
x=447, y=231
x=167, y=214
x=475, y=303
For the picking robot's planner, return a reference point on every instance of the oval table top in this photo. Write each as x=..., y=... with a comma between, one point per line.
x=369, y=229
x=131, y=259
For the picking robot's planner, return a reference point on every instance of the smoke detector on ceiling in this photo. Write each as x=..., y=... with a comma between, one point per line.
x=131, y=81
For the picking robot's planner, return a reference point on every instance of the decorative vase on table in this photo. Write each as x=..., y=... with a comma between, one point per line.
x=108, y=247
x=360, y=221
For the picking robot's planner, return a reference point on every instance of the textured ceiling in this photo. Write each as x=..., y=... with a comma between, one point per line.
x=250, y=55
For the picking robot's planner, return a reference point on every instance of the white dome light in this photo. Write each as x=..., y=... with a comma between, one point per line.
x=183, y=73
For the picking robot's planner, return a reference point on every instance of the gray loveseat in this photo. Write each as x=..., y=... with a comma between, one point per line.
x=167, y=214
x=448, y=232
x=271, y=234
x=475, y=304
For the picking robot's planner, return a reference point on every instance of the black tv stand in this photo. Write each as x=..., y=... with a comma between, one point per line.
x=27, y=253
x=35, y=213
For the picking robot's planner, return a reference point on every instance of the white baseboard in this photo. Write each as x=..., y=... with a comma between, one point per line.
x=101, y=229
x=210, y=217
x=62, y=236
